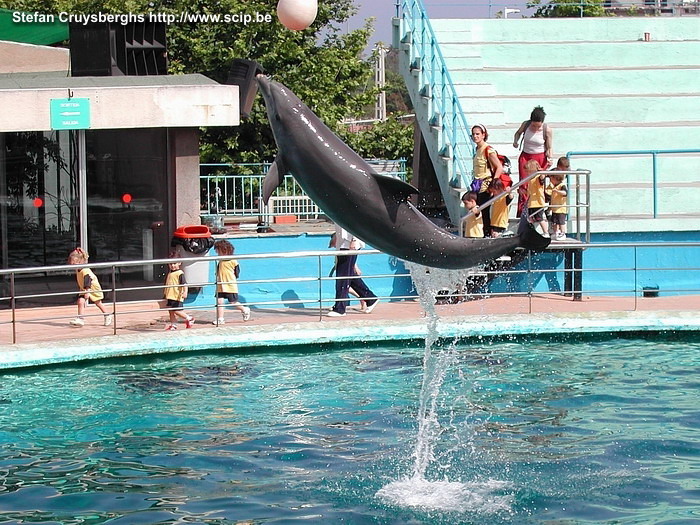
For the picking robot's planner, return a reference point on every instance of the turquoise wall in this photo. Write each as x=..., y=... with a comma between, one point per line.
x=287, y=293
x=606, y=270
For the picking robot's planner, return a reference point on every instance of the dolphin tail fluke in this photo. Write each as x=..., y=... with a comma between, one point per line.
x=531, y=240
x=273, y=179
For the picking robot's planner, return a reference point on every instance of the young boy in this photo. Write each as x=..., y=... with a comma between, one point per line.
x=227, y=284
x=474, y=224
x=175, y=293
x=558, y=191
x=536, y=200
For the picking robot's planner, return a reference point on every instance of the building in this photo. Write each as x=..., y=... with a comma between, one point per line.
x=106, y=162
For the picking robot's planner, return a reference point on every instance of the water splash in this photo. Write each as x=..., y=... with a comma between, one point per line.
x=416, y=490
x=448, y=496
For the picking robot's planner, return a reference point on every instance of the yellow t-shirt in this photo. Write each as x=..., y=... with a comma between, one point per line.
x=226, y=277
x=558, y=201
x=94, y=287
x=499, y=213
x=535, y=190
x=482, y=169
x=174, y=286
x=474, y=226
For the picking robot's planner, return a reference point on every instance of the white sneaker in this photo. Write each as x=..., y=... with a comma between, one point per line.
x=78, y=321
x=371, y=306
x=109, y=319
x=246, y=314
x=219, y=321
x=333, y=313
x=561, y=236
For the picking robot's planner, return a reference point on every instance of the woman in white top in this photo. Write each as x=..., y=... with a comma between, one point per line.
x=536, y=145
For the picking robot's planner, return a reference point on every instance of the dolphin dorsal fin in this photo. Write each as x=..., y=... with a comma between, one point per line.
x=273, y=179
x=403, y=190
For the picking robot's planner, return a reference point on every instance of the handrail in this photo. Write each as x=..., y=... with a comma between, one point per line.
x=653, y=152
x=413, y=15
x=527, y=179
x=128, y=307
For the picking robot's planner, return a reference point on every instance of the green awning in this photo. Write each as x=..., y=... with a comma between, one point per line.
x=41, y=32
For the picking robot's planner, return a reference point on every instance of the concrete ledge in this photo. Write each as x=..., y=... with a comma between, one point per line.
x=265, y=337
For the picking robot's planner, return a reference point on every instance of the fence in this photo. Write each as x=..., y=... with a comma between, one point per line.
x=230, y=190
x=619, y=270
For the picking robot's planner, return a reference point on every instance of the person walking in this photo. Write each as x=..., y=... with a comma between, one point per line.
x=227, y=273
x=346, y=276
x=175, y=293
x=90, y=289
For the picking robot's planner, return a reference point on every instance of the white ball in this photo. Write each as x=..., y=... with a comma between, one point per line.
x=297, y=14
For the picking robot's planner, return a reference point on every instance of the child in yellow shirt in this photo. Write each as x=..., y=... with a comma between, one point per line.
x=227, y=272
x=90, y=289
x=536, y=203
x=175, y=293
x=499, y=208
x=474, y=224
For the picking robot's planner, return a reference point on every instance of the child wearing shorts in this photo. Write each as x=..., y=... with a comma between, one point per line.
x=175, y=293
x=227, y=272
x=90, y=289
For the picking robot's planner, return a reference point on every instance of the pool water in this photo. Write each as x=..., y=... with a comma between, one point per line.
x=596, y=431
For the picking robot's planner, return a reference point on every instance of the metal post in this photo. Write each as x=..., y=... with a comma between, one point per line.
x=588, y=207
x=529, y=280
x=82, y=187
x=578, y=206
x=578, y=274
x=653, y=181
x=13, y=305
x=320, y=290
x=114, y=300
x=635, y=279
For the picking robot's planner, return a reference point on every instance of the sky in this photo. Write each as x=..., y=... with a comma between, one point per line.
x=384, y=10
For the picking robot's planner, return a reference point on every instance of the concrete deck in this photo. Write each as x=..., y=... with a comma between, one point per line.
x=44, y=336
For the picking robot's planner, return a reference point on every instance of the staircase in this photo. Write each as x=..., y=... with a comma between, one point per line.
x=621, y=94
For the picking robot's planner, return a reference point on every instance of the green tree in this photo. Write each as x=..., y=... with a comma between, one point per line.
x=568, y=8
x=323, y=64
x=391, y=139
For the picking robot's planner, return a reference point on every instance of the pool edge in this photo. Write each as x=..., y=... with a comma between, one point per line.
x=314, y=333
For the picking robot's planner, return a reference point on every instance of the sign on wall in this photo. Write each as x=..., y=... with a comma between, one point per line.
x=70, y=113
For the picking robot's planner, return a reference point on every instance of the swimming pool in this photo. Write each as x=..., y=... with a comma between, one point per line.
x=601, y=430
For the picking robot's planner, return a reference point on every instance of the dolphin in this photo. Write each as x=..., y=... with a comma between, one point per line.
x=373, y=207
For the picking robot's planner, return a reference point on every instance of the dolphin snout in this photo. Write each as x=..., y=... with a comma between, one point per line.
x=264, y=85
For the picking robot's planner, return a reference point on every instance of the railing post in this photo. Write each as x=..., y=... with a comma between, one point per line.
x=529, y=280
x=114, y=300
x=635, y=279
x=14, y=308
x=320, y=288
x=654, y=181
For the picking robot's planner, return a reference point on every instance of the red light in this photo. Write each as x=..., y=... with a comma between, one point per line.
x=126, y=198
x=38, y=202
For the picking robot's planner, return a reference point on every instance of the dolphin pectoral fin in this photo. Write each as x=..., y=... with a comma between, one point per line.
x=531, y=240
x=402, y=190
x=273, y=179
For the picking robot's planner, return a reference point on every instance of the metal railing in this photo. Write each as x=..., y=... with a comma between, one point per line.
x=236, y=190
x=526, y=275
x=654, y=153
x=447, y=118
x=581, y=200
